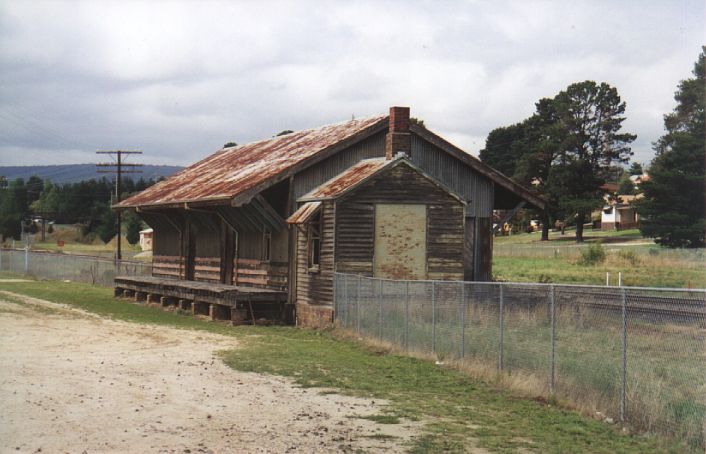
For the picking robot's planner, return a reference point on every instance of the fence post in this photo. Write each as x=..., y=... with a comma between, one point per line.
x=380, y=310
x=26, y=259
x=0, y=258
x=357, y=308
x=406, y=316
x=463, y=319
x=500, y=354
x=623, y=387
x=552, y=309
x=433, y=317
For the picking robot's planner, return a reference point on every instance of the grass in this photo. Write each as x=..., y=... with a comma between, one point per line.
x=461, y=411
x=644, y=271
x=569, y=239
x=524, y=258
x=74, y=243
x=665, y=378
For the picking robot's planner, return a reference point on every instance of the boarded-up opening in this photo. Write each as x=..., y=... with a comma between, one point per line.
x=400, y=241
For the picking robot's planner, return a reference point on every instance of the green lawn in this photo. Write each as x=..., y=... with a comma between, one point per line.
x=460, y=411
x=569, y=239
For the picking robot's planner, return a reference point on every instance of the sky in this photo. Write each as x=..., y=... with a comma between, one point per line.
x=179, y=79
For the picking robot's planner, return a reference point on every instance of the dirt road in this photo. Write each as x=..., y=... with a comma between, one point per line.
x=73, y=382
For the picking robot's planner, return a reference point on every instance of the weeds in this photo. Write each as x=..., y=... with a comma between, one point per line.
x=594, y=254
x=629, y=256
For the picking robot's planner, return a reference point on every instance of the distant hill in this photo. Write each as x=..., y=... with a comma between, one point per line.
x=71, y=173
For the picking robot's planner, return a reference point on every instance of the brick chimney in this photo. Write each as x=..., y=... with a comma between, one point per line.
x=398, y=137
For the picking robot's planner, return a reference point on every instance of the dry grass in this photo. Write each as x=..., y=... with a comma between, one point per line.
x=666, y=380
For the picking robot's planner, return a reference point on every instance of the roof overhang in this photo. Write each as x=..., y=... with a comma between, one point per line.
x=480, y=167
x=304, y=213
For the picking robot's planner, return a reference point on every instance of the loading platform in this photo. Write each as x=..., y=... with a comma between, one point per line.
x=239, y=304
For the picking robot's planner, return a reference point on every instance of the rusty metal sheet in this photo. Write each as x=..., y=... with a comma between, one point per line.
x=400, y=241
x=347, y=179
x=232, y=171
x=304, y=213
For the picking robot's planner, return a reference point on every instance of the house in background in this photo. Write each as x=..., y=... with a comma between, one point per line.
x=146, y=239
x=272, y=221
x=620, y=213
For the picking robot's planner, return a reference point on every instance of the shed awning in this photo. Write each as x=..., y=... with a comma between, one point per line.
x=304, y=213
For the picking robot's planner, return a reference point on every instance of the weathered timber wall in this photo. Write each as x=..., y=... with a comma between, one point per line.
x=207, y=236
x=207, y=269
x=256, y=273
x=166, y=237
x=250, y=245
x=355, y=223
x=169, y=266
x=315, y=287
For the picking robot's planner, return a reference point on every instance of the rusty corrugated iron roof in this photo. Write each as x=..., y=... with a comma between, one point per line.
x=232, y=171
x=347, y=179
x=304, y=213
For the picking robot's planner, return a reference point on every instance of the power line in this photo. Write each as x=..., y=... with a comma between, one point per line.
x=116, y=167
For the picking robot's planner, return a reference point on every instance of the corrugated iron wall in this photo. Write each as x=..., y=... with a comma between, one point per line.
x=372, y=147
x=475, y=188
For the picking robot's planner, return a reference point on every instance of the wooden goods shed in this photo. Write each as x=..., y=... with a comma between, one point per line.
x=273, y=220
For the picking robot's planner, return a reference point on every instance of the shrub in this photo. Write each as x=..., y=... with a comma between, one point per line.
x=592, y=255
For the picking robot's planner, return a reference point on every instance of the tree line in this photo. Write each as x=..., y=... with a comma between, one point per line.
x=86, y=203
x=573, y=144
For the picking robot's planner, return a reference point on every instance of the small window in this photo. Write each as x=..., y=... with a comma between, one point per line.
x=266, y=246
x=314, y=242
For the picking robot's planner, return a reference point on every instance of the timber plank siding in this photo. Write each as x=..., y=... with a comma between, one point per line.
x=315, y=287
x=355, y=223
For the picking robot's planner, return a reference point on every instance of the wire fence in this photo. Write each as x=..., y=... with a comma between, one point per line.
x=632, y=354
x=67, y=267
x=575, y=250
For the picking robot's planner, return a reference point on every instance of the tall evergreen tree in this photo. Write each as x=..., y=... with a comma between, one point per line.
x=566, y=150
x=591, y=116
x=673, y=208
x=13, y=209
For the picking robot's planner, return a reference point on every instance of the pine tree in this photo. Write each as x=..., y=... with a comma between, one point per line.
x=672, y=211
x=132, y=228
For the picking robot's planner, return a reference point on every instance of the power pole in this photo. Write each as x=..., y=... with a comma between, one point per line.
x=116, y=167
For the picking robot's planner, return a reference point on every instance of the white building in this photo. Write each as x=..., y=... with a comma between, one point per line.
x=620, y=213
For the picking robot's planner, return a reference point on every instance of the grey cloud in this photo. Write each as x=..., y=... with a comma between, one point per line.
x=178, y=79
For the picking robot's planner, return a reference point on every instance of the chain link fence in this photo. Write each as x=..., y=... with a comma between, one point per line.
x=67, y=267
x=633, y=354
